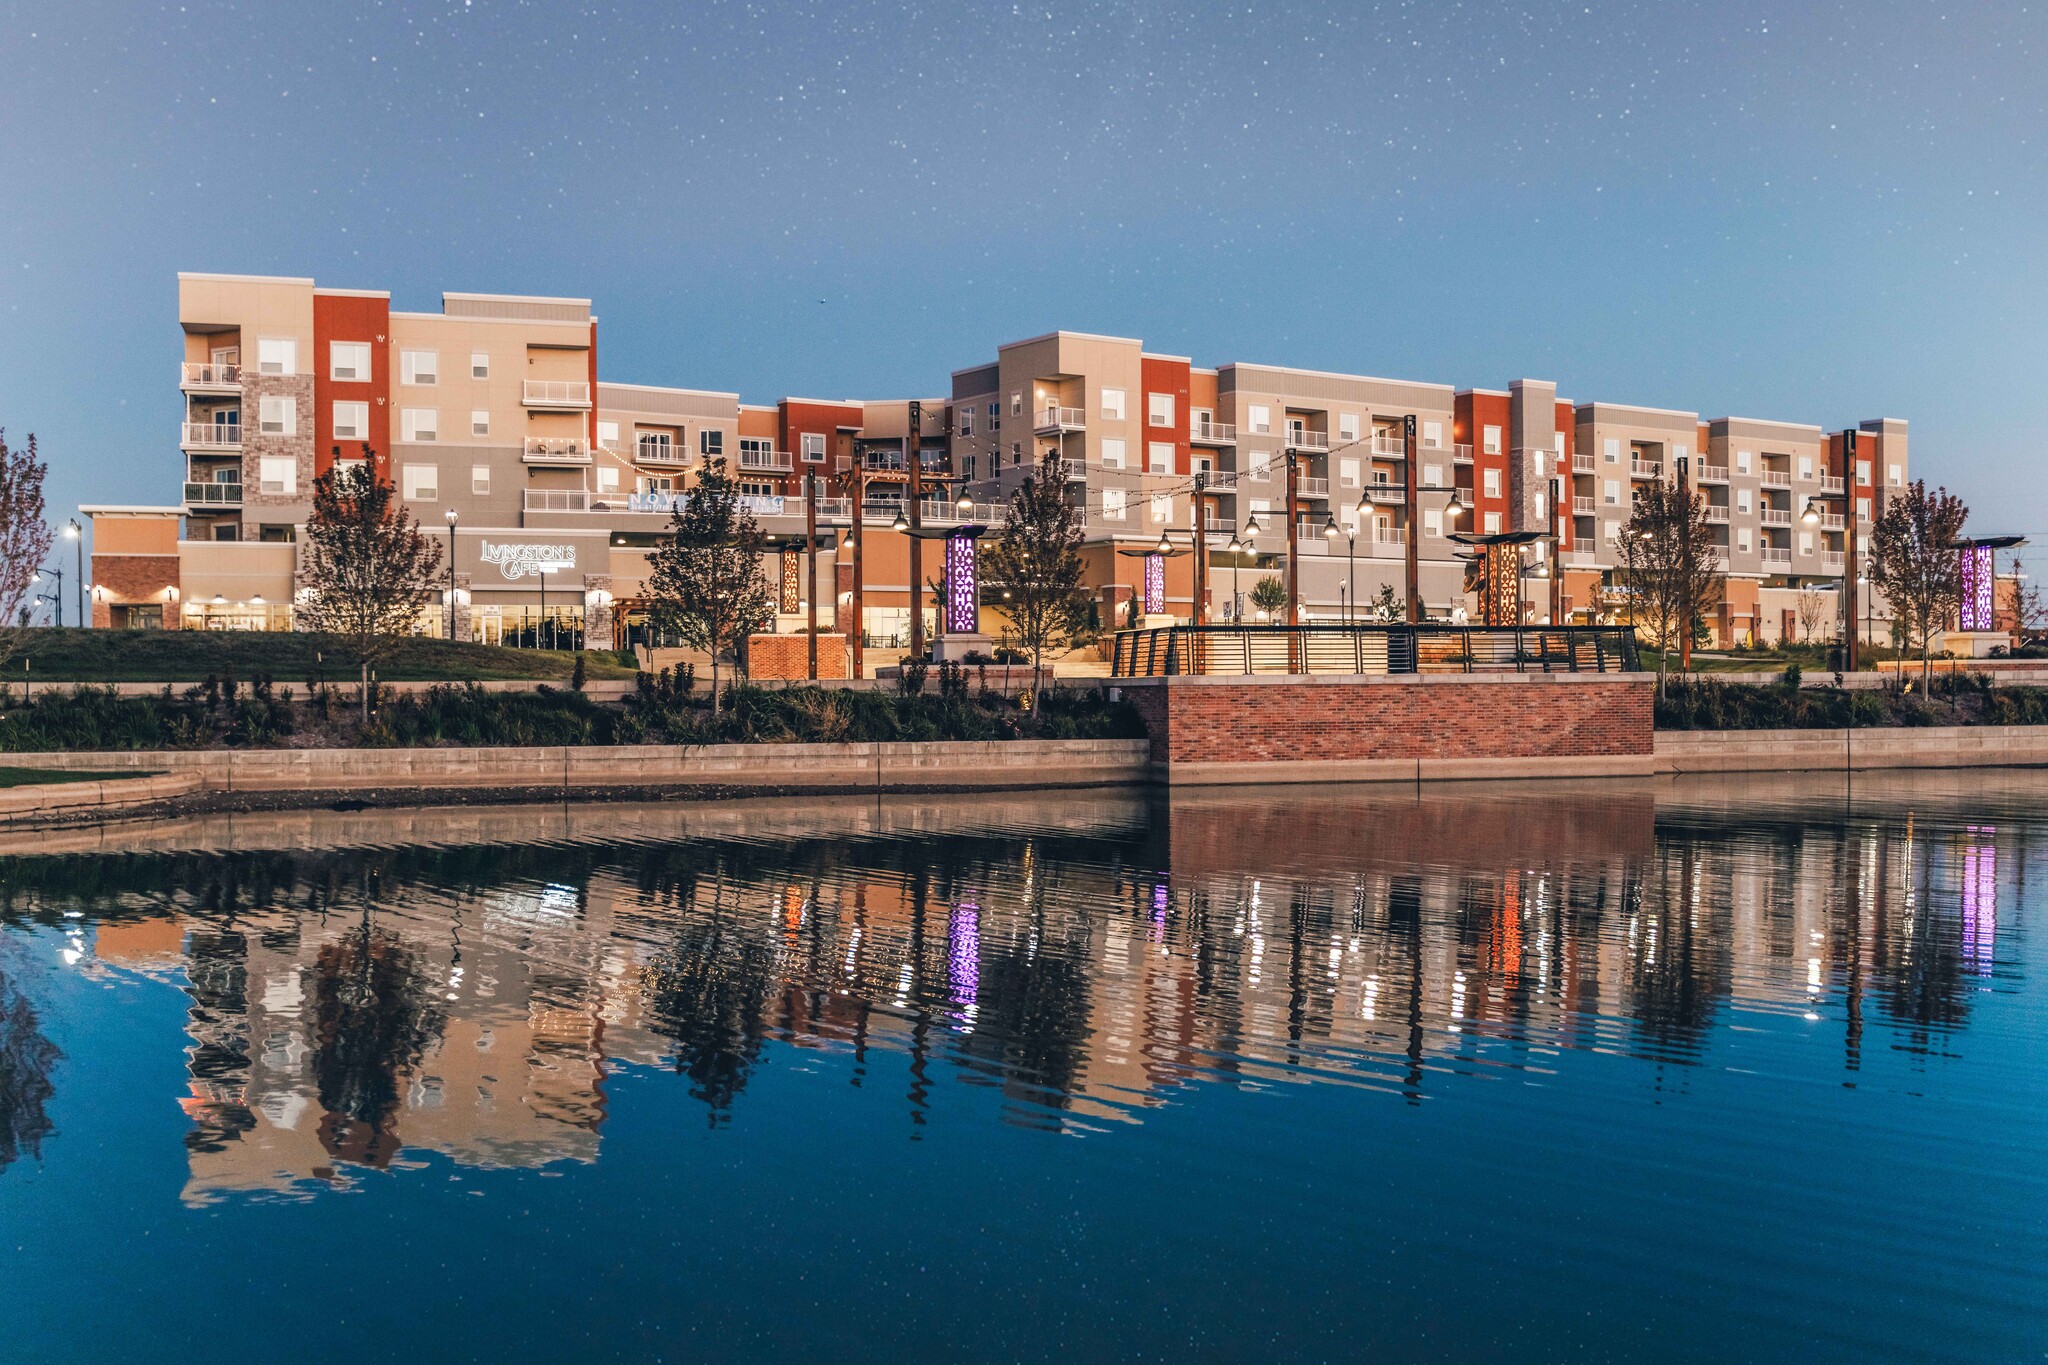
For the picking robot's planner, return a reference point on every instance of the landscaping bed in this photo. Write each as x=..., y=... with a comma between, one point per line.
x=36, y=777
x=186, y=656
x=1694, y=703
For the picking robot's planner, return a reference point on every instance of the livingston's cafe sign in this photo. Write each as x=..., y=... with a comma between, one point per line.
x=517, y=561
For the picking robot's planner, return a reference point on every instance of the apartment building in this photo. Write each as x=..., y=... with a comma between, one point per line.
x=551, y=485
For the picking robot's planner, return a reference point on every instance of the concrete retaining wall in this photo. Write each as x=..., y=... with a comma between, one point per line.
x=18, y=804
x=819, y=767
x=1773, y=751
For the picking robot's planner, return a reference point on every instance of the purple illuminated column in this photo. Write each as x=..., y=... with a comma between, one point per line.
x=1155, y=585
x=963, y=615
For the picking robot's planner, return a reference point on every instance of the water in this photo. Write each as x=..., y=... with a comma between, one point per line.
x=1749, y=1069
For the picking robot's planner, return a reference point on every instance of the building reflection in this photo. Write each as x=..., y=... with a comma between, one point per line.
x=370, y=1007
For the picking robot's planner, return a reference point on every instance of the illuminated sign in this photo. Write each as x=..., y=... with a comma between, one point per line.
x=1155, y=585
x=790, y=595
x=664, y=503
x=962, y=587
x=517, y=561
x=1978, y=585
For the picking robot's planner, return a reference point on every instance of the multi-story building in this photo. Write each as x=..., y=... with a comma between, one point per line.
x=551, y=485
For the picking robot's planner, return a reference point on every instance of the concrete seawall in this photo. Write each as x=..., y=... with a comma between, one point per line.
x=70, y=800
x=1780, y=751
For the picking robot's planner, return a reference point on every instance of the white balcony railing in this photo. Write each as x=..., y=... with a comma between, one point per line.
x=660, y=452
x=207, y=376
x=1775, y=516
x=1776, y=478
x=1830, y=484
x=212, y=436
x=1059, y=419
x=1715, y=513
x=1645, y=469
x=557, y=393
x=559, y=499
x=556, y=450
x=1582, y=507
x=1387, y=447
x=1774, y=555
x=1389, y=542
x=1461, y=454
x=1386, y=495
x=1713, y=473
x=1212, y=433
x=211, y=494
x=767, y=461
x=1301, y=438
x=1831, y=559
x=1582, y=464
x=1312, y=488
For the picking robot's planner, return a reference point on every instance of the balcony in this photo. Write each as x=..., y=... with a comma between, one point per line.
x=205, y=378
x=556, y=450
x=561, y=500
x=1582, y=507
x=212, y=436
x=1461, y=454
x=1212, y=434
x=1582, y=464
x=1311, y=488
x=665, y=453
x=1386, y=495
x=1713, y=473
x=1831, y=560
x=769, y=461
x=1717, y=513
x=557, y=393
x=1776, y=478
x=1051, y=421
x=213, y=494
x=1390, y=542
x=1301, y=438
x=1833, y=521
x=1385, y=446
x=1645, y=469
x=1775, y=516
x=1830, y=484
x=1774, y=555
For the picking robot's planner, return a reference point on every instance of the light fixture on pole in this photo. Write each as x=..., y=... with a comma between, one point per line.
x=1251, y=524
x=1455, y=508
x=963, y=504
x=1165, y=546
x=73, y=531
x=451, y=573
x=1811, y=516
x=901, y=523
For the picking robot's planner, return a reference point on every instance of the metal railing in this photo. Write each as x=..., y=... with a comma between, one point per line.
x=1717, y=513
x=1776, y=556
x=1311, y=488
x=215, y=494
x=1774, y=516
x=1713, y=473
x=1582, y=464
x=1059, y=419
x=1385, y=447
x=1213, y=433
x=212, y=436
x=200, y=375
x=646, y=451
x=773, y=461
x=556, y=450
x=1461, y=454
x=1178, y=651
x=1830, y=484
x=1582, y=507
x=1776, y=478
x=1831, y=559
x=1301, y=438
x=1645, y=469
x=557, y=393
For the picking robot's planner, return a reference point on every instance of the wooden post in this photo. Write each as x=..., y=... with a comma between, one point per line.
x=1293, y=557
x=859, y=602
x=916, y=486
x=811, y=558
x=1414, y=547
x=1849, y=641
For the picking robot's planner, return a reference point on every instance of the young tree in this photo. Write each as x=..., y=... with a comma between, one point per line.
x=2029, y=608
x=368, y=569
x=1388, y=607
x=707, y=584
x=1814, y=608
x=1674, y=568
x=24, y=535
x=1036, y=558
x=1913, y=561
x=1269, y=594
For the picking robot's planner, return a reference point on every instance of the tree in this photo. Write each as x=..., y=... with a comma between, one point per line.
x=2029, y=608
x=368, y=569
x=1269, y=594
x=24, y=535
x=707, y=585
x=1674, y=568
x=1036, y=558
x=1387, y=607
x=1814, y=609
x=1913, y=561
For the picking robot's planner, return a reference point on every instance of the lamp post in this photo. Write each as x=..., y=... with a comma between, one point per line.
x=56, y=602
x=915, y=458
x=1330, y=533
x=1358, y=514
x=76, y=533
x=451, y=573
x=1293, y=556
x=1557, y=553
x=811, y=567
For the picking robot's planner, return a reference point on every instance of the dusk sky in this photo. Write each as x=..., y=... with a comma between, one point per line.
x=1814, y=213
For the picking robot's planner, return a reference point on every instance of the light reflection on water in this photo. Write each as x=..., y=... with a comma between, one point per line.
x=1662, y=997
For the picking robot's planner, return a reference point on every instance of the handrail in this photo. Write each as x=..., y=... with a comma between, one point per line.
x=1174, y=651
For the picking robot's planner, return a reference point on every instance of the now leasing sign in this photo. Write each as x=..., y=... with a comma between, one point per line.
x=518, y=561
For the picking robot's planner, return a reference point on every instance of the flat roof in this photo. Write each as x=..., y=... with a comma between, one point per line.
x=247, y=279
x=657, y=388
x=1332, y=374
x=1078, y=336
x=447, y=294
x=116, y=509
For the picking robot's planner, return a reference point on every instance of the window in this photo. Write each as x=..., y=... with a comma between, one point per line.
x=1433, y=475
x=420, y=367
x=1610, y=493
x=1262, y=465
x=1112, y=452
x=1347, y=473
x=1678, y=452
x=1613, y=531
x=757, y=490
x=277, y=355
x=1432, y=522
x=1159, y=457
x=966, y=421
x=1492, y=439
x=1806, y=542
x=1557, y=443
x=351, y=421
x=421, y=424
x=1895, y=475
x=1742, y=499
x=1742, y=540
x=1113, y=404
x=1742, y=462
x=1863, y=471
x=1539, y=504
x=1162, y=507
x=1610, y=450
x=1113, y=504
x=710, y=442
x=1805, y=467
x=1863, y=509
x=277, y=415
x=1493, y=523
x=343, y=467
x=1261, y=419
x=479, y=479
x=1347, y=426
x=479, y=422
x=607, y=479
x=1159, y=409
x=479, y=365
x=1016, y=402
x=608, y=434
x=279, y=475
x=349, y=361
x=1433, y=435
x=1493, y=481
x=422, y=482
x=814, y=447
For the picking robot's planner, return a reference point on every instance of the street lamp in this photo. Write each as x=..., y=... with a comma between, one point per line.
x=963, y=504
x=1811, y=516
x=1165, y=546
x=901, y=523
x=1455, y=508
x=451, y=573
x=56, y=602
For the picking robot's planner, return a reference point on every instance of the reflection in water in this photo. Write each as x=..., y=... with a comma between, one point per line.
x=351, y=1003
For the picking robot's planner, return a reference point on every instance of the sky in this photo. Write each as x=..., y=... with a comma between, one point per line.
x=1814, y=212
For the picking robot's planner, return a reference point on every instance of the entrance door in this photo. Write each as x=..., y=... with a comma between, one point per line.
x=490, y=626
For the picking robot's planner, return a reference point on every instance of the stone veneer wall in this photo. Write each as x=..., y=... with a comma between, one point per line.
x=255, y=446
x=1210, y=729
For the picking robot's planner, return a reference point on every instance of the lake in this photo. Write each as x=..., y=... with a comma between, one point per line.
x=1705, y=1069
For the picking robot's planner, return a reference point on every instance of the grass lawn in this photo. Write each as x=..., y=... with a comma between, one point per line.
x=187, y=656
x=30, y=777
